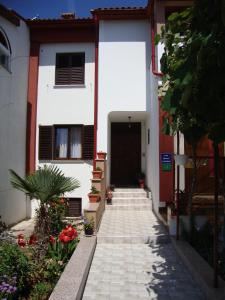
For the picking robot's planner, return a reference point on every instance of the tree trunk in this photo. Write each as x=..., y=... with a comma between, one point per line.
x=42, y=220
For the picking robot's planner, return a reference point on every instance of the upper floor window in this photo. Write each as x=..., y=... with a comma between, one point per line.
x=70, y=68
x=5, y=50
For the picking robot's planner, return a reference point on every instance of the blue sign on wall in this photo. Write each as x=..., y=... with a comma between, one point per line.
x=166, y=158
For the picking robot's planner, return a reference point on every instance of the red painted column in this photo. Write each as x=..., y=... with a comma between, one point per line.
x=32, y=107
x=166, y=145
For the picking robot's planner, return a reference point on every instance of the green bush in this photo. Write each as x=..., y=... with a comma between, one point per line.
x=41, y=291
x=14, y=265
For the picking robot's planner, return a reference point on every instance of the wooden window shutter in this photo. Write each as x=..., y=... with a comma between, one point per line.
x=77, y=68
x=69, y=68
x=88, y=142
x=45, y=142
x=74, y=207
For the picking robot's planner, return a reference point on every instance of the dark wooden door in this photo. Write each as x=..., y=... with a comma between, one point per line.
x=125, y=153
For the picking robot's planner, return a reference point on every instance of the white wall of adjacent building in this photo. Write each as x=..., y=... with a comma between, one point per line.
x=13, y=106
x=66, y=105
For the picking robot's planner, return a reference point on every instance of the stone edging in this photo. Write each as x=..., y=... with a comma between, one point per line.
x=72, y=282
x=200, y=270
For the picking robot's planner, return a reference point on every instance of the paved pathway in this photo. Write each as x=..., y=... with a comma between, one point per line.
x=134, y=258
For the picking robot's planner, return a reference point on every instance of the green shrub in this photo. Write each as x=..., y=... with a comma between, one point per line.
x=41, y=291
x=14, y=264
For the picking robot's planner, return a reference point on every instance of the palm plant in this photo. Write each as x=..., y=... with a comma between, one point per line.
x=46, y=185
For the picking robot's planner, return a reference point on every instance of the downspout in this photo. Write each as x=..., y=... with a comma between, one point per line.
x=96, y=88
x=154, y=70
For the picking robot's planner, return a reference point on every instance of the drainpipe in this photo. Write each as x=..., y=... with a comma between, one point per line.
x=96, y=88
x=154, y=70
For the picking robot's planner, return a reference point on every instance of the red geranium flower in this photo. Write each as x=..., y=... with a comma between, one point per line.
x=52, y=239
x=21, y=242
x=64, y=238
x=68, y=234
x=32, y=240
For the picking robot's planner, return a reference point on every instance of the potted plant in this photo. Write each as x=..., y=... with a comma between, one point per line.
x=97, y=173
x=101, y=155
x=89, y=226
x=141, y=180
x=109, y=195
x=94, y=195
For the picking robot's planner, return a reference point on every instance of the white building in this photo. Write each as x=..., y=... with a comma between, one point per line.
x=14, y=57
x=92, y=86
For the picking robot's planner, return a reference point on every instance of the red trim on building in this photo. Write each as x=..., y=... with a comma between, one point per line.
x=96, y=87
x=62, y=31
x=166, y=180
x=32, y=107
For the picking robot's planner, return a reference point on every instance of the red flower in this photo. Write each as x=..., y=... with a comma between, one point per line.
x=64, y=238
x=52, y=239
x=21, y=242
x=32, y=240
x=68, y=234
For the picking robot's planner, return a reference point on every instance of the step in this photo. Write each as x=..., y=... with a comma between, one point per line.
x=141, y=194
x=129, y=190
x=129, y=207
x=147, y=239
x=131, y=201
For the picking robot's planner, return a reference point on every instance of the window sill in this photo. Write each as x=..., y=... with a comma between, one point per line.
x=59, y=86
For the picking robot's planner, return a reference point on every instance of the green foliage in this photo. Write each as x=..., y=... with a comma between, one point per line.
x=14, y=263
x=98, y=169
x=94, y=190
x=41, y=291
x=194, y=62
x=88, y=224
x=62, y=252
x=57, y=212
x=45, y=184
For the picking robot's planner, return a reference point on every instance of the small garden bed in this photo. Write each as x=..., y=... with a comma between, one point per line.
x=31, y=266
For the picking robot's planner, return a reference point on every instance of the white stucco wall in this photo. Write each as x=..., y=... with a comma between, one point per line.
x=13, y=105
x=66, y=105
x=123, y=67
x=153, y=148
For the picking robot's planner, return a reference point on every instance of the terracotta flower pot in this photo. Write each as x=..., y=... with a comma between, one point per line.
x=101, y=155
x=93, y=198
x=97, y=174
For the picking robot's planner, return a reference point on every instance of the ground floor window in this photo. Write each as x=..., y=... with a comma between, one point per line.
x=74, y=207
x=68, y=142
